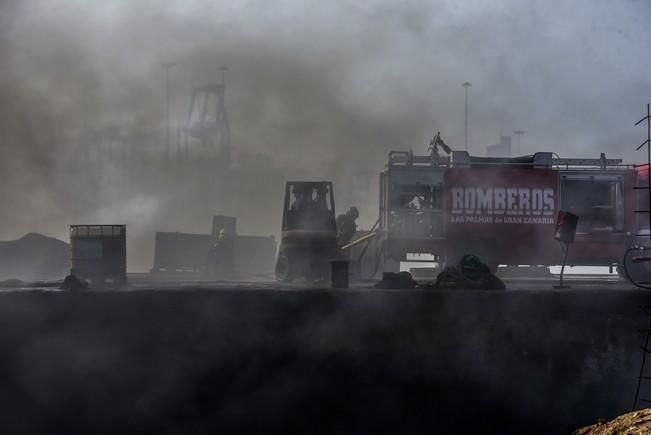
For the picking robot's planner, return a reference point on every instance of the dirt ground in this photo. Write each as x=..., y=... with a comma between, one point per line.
x=633, y=423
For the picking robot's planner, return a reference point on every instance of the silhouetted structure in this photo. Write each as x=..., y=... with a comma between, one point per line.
x=99, y=253
x=207, y=121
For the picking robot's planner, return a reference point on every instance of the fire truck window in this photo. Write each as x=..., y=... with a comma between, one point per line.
x=417, y=197
x=416, y=203
x=598, y=203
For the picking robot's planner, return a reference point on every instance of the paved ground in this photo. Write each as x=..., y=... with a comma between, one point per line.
x=188, y=356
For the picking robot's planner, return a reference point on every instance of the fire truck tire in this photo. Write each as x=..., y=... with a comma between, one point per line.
x=638, y=272
x=283, y=269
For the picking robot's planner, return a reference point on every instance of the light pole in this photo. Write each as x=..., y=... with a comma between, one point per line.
x=466, y=85
x=222, y=70
x=167, y=66
x=518, y=133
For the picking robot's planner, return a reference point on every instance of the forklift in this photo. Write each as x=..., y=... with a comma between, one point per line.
x=309, y=232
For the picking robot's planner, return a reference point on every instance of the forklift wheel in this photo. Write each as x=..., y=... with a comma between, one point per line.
x=282, y=269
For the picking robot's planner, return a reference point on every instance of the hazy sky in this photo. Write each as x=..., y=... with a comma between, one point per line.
x=571, y=74
x=330, y=86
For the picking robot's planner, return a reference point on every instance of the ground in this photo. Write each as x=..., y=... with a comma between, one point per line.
x=205, y=357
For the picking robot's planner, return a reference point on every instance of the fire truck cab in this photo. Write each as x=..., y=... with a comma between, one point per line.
x=504, y=209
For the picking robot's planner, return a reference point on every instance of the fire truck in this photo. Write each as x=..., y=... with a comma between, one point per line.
x=504, y=209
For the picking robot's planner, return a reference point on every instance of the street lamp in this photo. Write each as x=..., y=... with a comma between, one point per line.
x=167, y=66
x=466, y=85
x=518, y=133
x=222, y=70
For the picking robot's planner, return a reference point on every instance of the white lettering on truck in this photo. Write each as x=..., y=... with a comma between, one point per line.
x=469, y=201
x=503, y=200
x=457, y=200
x=485, y=199
x=511, y=195
x=500, y=204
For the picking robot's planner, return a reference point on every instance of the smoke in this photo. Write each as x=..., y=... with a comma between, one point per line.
x=322, y=91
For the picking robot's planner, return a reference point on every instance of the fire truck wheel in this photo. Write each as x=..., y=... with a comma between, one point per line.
x=638, y=272
x=283, y=271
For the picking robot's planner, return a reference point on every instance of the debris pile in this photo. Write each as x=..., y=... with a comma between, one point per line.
x=400, y=280
x=633, y=423
x=34, y=256
x=73, y=283
x=469, y=273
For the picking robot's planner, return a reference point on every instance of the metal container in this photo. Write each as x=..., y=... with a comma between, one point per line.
x=339, y=270
x=98, y=253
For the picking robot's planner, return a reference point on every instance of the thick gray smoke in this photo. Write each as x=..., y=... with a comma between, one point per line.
x=315, y=90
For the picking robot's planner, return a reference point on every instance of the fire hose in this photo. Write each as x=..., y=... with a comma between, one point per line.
x=366, y=238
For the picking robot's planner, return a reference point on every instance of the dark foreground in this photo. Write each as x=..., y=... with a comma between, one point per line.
x=317, y=361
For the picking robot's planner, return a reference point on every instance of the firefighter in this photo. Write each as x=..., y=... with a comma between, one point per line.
x=211, y=262
x=346, y=226
x=221, y=257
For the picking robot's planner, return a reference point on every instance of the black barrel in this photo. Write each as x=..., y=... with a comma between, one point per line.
x=339, y=273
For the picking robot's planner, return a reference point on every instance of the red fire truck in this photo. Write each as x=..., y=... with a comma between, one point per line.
x=504, y=209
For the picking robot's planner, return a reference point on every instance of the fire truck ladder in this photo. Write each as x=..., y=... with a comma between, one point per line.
x=643, y=258
x=645, y=350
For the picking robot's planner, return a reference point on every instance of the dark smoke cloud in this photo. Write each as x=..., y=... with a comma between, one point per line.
x=324, y=90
